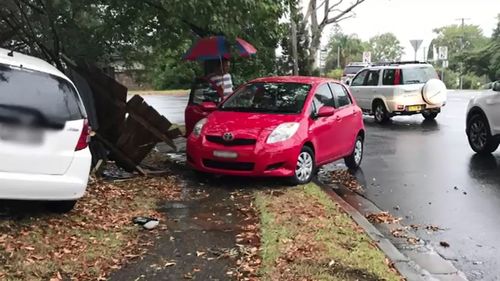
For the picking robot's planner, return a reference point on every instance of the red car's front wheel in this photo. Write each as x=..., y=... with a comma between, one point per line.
x=305, y=167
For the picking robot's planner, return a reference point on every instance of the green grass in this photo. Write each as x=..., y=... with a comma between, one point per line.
x=306, y=236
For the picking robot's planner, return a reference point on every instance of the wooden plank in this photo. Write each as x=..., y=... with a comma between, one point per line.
x=120, y=155
x=153, y=130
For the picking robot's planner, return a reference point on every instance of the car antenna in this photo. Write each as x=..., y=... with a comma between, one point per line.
x=11, y=53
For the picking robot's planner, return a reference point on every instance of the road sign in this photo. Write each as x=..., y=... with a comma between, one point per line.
x=445, y=64
x=443, y=53
x=367, y=57
x=416, y=44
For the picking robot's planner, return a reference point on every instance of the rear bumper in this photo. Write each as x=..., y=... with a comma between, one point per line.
x=70, y=186
x=270, y=161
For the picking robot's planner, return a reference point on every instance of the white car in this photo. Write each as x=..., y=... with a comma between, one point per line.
x=392, y=89
x=43, y=134
x=483, y=121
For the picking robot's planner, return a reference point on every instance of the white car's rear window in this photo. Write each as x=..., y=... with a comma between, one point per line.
x=30, y=95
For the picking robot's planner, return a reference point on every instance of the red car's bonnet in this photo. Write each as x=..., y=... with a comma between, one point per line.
x=244, y=123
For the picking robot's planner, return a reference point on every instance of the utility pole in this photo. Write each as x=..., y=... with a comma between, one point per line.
x=461, y=65
x=425, y=54
x=338, y=57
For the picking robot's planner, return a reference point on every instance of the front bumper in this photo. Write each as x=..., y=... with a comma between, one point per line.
x=266, y=160
x=70, y=186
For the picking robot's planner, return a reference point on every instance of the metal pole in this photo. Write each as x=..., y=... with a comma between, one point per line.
x=425, y=59
x=338, y=57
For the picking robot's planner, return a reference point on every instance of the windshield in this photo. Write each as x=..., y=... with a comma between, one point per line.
x=418, y=75
x=352, y=69
x=268, y=98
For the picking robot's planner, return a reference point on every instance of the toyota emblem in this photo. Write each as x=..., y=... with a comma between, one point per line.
x=228, y=137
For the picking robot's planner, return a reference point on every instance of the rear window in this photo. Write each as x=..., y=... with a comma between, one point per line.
x=418, y=75
x=32, y=92
x=352, y=69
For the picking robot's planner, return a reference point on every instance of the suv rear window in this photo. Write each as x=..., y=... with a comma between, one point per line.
x=418, y=75
x=38, y=93
x=352, y=69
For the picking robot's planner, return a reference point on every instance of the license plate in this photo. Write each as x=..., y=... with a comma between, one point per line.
x=20, y=135
x=414, y=108
x=225, y=154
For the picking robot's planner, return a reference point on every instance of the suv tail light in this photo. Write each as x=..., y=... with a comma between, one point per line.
x=84, y=139
x=397, y=77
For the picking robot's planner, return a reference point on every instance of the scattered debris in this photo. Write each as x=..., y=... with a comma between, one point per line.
x=382, y=217
x=456, y=188
x=146, y=222
x=433, y=228
x=396, y=207
x=465, y=193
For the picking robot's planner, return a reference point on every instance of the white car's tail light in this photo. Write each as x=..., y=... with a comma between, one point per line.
x=83, y=141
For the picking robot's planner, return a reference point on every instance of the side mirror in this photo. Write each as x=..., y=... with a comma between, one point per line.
x=325, y=111
x=348, y=82
x=208, y=106
x=496, y=86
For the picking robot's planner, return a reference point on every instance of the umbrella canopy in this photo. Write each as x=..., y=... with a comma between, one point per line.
x=216, y=47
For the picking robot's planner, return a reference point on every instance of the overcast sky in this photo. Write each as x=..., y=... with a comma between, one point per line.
x=415, y=19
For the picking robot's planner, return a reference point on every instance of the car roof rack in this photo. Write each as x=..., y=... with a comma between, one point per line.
x=398, y=63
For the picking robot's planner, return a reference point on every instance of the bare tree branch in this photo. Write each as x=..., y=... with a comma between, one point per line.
x=328, y=21
x=346, y=17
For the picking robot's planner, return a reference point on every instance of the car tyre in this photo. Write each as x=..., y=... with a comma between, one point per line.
x=202, y=176
x=305, y=168
x=353, y=161
x=479, y=135
x=61, y=207
x=380, y=112
x=429, y=115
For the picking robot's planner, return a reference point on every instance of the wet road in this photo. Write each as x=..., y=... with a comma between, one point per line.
x=170, y=106
x=428, y=172
x=416, y=165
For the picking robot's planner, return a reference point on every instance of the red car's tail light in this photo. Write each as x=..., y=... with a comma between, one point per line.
x=84, y=139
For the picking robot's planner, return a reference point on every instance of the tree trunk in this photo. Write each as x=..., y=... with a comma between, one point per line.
x=295, y=55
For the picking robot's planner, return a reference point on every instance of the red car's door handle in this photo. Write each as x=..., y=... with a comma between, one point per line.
x=338, y=118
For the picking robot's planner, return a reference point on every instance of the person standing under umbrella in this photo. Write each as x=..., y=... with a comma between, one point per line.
x=217, y=71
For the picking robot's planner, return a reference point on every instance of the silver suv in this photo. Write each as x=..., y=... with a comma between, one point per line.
x=402, y=88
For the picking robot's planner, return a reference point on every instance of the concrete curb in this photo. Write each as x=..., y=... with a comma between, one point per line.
x=413, y=266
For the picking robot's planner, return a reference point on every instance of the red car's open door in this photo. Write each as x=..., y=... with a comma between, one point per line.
x=203, y=90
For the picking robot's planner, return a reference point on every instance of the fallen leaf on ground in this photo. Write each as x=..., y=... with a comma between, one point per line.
x=382, y=217
x=444, y=244
x=169, y=264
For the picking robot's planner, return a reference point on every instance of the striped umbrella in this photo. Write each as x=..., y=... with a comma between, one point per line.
x=217, y=47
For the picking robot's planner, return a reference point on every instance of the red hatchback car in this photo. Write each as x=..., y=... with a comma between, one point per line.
x=279, y=126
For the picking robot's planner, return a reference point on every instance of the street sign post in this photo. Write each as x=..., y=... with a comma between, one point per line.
x=416, y=45
x=443, y=52
x=367, y=57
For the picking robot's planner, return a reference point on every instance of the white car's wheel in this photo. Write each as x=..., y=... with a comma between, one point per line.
x=479, y=135
x=380, y=112
x=434, y=92
x=61, y=207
